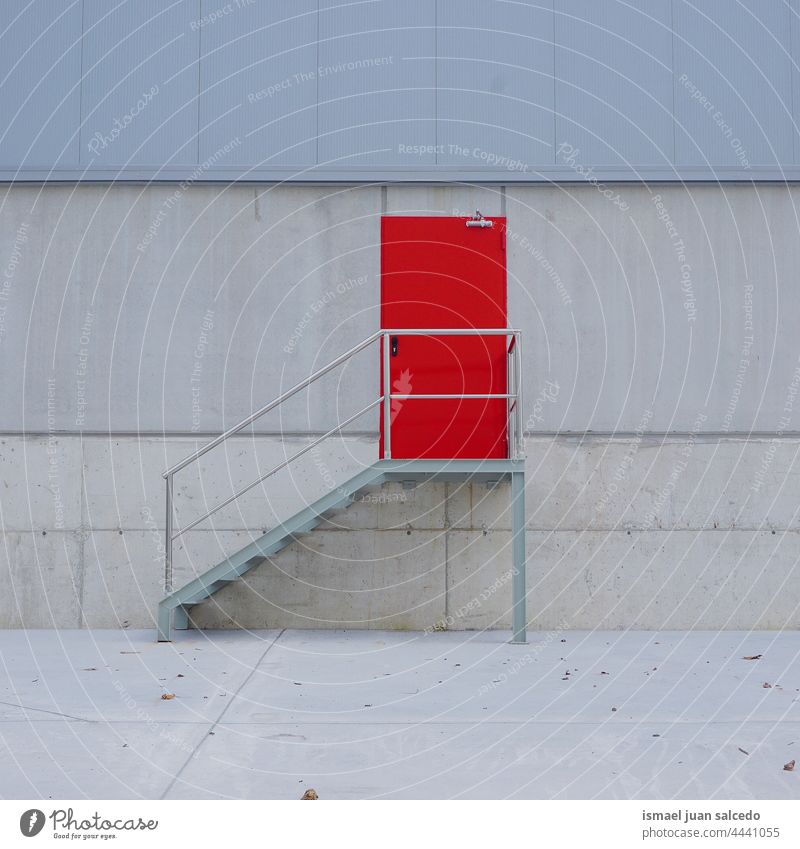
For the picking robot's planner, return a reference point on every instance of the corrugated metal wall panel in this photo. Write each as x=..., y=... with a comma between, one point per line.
x=794, y=8
x=258, y=83
x=733, y=96
x=377, y=101
x=495, y=83
x=40, y=73
x=140, y=83
x=613, y=67
x=422, y=90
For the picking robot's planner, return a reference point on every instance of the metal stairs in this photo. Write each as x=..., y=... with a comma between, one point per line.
x=173, y=609
x=176, y=605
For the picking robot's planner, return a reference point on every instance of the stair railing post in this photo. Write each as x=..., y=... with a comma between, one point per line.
x=168, y=539
x=387, y=400
x=512, y=383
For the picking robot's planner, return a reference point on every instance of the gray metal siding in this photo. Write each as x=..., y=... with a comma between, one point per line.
x=257, y=84
x=614, y=83
x=40, y=77
x=495, y=83
x=139, y=93
x=794, y=36
x=377, y=96
x=733, y=83
x=430, y=90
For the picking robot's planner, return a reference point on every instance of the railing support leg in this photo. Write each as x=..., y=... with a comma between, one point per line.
x=180, y=619
x=168, y=540
x=518, y=583
x=387, y=403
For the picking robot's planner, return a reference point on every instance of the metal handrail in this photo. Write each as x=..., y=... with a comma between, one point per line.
x=450, y=331
x=513, y=399
x=406, y=395
x=271, y=406
x=277, y=468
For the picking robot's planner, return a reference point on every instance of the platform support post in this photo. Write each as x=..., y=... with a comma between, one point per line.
x=164, y=623
x=518, y=614
x=180, y=618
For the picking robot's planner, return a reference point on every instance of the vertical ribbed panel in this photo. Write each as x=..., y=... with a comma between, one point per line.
x=140, y=83
x=258, y=82
x=495, y=77
x=40, y=71
x=376, y=82
x=614, y=82
x=733, y=98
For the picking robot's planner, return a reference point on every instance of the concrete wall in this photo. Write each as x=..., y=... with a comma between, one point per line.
x=152, y=309
x=136, y=319
x=620, y=533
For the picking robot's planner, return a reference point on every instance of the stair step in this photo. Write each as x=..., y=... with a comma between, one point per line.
x=275, y=540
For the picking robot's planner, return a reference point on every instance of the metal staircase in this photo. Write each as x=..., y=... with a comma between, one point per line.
x=173, y=610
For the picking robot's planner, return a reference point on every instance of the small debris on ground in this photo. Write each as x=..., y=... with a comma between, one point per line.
x=168, y=696
x=766, y=686
x=743, y=751
x=752, y=657
x=309, y=794
x=789, y=767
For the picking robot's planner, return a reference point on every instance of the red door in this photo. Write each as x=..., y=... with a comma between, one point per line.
x=437, y=273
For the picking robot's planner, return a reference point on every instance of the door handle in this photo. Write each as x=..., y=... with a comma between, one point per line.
x=394, y=345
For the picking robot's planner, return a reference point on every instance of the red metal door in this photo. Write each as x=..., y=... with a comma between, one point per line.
x=437, y=273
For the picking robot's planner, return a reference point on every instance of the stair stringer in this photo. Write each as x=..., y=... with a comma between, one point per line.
x=176, y=604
